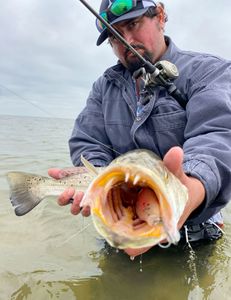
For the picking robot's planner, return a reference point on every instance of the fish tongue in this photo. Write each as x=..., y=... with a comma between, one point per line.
x=147, y=207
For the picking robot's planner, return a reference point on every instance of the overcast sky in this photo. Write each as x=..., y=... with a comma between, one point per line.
x=49, y=59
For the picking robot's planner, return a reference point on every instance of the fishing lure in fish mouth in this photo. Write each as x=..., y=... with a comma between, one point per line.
x=135, y=202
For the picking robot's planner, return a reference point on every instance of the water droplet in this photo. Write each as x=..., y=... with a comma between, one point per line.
x=141, y=263
x=132, y=257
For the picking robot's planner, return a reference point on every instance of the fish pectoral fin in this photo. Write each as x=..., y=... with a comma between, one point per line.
x=89, y=166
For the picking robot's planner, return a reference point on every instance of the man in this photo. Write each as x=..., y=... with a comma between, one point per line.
x=195, y=142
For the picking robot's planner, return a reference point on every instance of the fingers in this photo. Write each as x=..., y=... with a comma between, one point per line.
x=61, y=173
x=70, y=196
x=86, y=211
x=75, y=206
x=66, y=196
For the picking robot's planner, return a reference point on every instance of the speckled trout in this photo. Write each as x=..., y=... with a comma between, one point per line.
x=135, y=201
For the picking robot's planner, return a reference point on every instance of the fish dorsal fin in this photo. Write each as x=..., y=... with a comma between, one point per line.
x=89, y=166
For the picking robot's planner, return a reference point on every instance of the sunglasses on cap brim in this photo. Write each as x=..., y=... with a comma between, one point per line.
x=117, y=8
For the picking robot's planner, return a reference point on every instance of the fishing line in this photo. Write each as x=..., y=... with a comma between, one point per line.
x=74, y=235
x=28, y=101
x=191, y=260
x=101, y=143
x=217, y=226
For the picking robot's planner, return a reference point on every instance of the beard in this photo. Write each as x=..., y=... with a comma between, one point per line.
x=133, y=63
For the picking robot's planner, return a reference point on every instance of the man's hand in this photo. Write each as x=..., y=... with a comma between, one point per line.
x=70, y=196
x=173, y=160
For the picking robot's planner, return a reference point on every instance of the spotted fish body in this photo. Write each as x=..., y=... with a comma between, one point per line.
x=135, y=201
x=28, y=190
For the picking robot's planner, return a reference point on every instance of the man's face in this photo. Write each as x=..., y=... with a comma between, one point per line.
x=145, y=35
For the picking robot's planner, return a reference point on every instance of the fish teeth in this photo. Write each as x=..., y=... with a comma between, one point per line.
x=136, y=179
x=110, y=184
x=118, y=208
x=127, y=176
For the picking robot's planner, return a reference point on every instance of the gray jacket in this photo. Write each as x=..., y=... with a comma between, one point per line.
x=110, y=124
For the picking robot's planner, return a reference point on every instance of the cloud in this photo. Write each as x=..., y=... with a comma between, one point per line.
x=48, y=52
x=201, y=26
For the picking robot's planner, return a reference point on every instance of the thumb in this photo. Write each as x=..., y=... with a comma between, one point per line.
x=173, y=161
x=56, y=173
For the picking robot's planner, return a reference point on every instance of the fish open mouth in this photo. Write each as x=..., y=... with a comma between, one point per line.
x=127, y=207
x=122, y=199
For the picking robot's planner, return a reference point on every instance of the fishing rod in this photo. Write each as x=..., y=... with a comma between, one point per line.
x=162, y=73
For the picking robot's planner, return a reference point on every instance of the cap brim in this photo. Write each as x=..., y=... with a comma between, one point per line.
x=131, y=15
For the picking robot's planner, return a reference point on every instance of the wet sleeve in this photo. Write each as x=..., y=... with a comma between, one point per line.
x=208, y=135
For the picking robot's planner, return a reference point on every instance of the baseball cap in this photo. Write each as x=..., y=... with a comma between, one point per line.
x=119, y=10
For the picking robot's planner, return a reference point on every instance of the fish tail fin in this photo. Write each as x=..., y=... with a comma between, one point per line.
x=22, y=195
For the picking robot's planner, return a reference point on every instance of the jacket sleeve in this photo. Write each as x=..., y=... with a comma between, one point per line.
x=207, y=144
x=89, y=137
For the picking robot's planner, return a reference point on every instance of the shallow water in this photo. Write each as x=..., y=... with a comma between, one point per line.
x=50, y=254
